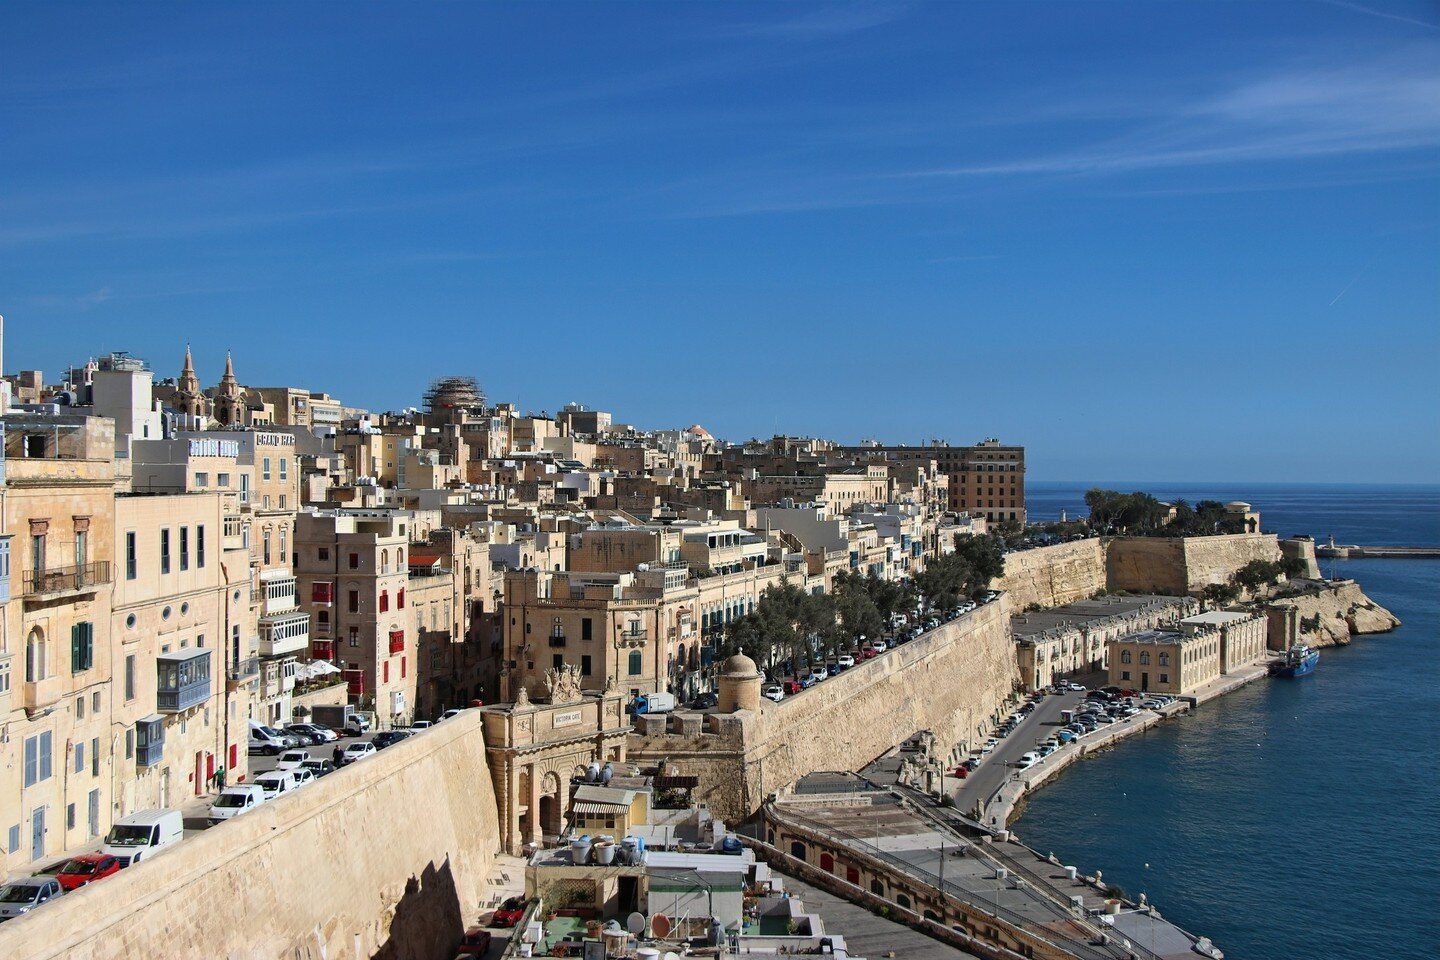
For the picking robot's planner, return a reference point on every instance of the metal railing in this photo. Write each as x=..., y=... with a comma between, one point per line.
x=244, y=670
x=62, y=579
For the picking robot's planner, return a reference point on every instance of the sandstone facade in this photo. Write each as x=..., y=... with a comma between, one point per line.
x=1181, y=565
x=1337, y=612
x=386, y=858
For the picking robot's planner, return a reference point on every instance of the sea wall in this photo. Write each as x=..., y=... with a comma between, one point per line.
x=1052, y=576
x=951, y=681
x=1332, y=615
x=1180, y=565
x=386, y=858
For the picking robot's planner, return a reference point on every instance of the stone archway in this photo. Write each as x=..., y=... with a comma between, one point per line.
x=552, y=811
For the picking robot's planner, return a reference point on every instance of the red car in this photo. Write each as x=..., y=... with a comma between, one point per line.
x=86, y=868
x=791, y=687
x=961, y=772
x=475, y=943
x=509, y=913
x=867, y=652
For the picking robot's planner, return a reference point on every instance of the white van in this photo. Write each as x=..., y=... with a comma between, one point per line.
x=265, y=740
x=141, y=834
x=275, y=783
x=235, y=800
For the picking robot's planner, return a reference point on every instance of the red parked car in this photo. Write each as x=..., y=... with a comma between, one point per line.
x=791, y=687
x=475, y=943
x=961, y=771
x=86, y=868
x=867, y=652
x=509, y=913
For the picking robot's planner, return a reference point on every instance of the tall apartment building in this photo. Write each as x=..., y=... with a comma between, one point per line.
x=986, y=480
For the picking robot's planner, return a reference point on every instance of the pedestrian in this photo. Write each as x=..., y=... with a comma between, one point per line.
x=220, y=779
x=335, y=756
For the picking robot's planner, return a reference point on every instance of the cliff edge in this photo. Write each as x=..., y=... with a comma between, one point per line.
x=1332, y=613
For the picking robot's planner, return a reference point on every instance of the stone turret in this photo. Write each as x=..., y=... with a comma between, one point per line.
x=188, y=397
x=229, y=398
x=739, y=684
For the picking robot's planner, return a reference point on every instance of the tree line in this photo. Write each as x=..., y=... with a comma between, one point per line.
x=1142, y=514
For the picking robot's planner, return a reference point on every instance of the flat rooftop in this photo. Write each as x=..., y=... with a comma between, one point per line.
x=1218, y=617
x=1077, y=613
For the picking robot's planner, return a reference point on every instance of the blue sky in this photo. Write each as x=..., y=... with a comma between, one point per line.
x=1151, y=241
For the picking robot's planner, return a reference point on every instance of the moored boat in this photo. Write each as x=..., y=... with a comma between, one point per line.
x=1296, y=662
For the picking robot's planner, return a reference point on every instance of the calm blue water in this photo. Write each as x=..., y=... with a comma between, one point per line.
x=1292, y=818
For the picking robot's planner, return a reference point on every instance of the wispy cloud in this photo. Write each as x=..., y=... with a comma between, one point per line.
x=1383, y=14
x=70, y=301
x=1303, y=112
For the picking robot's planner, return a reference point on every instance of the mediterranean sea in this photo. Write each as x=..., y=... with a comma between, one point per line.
x=1292, y=818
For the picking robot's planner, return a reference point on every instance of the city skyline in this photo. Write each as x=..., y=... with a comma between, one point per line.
x=925, y=220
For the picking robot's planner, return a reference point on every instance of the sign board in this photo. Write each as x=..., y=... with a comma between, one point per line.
x=567, y=719
x=275, y=439
x=214, y=448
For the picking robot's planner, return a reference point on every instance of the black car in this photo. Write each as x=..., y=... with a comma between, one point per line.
x=705, y=701
x=303, y=731
x=320, y=766
x=389, y=737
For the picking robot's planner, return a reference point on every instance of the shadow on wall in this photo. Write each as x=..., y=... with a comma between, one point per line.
x=428, y=922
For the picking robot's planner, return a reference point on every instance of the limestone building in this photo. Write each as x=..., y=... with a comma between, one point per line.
x=1242, y=635
x=986, y=480
x=1166, y=661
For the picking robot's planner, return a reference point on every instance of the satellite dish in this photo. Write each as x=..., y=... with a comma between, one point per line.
x=660, y=926
x=635, y=923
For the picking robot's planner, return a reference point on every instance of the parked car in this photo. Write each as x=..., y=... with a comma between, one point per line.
x=141, y=835
x=275, y=783
x=266, y=740
x=791, y=687
x=86, y=868
x=357, y=751
x=806, y=681
x=235, y=800
x=475, y=943
x=846, y=661
x=420, y=726
x=832, y=669
x=291, y=759
x=990, y=745
x=1027, y=760
x=303, y=775
x=1075, y=686
x=509, y=913
x=389, y=738
x=867, y=652
x=960, y=772
x=21, y=896
x=773, y=691
x=311, y=733
x=450, y=713
x=816, y=675
x=319, y=766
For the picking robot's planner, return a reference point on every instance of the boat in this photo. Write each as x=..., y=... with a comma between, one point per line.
x=1296, y=662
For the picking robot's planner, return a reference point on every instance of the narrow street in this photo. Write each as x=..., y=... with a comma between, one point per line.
x=997, y=767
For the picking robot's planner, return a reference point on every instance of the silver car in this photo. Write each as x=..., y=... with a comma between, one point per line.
x=22, y=896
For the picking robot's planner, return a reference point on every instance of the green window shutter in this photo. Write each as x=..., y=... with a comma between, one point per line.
x=75, y=648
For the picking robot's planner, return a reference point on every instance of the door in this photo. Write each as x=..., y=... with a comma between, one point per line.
x=165, y=787
x=1144, y=681
x=199, y=772
x=37, y=834
x=209, y=767
x=94, y=813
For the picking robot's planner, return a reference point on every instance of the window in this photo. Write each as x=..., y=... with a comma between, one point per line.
x=130, y=559
x=129, y=744
x=79, y=756
x=200, y=546
x=284, y=543
x=164, y=551
x=353, y=601
x=284, y=468
x=400, y=599
x=265, y=546
x=1124, y=674
x=244, y=488
x=130, y=677
x=82, y=647
x=94, y=756
x=323, y=553
x=354, y=561
x=637, y=663
x=385, y=671
x=184, y=548
x=1144, y=657
x=384, y=600
x=4, y=676
x=79, y=708
x=1164, y=659
x=37, y=758
x=585, y=665
x=354, y=636
x=402, y=668
x=1124, y=656
x=1164, y=678
x=222, y=480
x=557, y=660
x=265, y=469
x=586, y=627
x=202, y=479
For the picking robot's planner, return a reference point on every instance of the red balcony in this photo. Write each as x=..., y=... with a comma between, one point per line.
x=322, y=592
x=397, y=642
x=322, y=650
x=354, y=681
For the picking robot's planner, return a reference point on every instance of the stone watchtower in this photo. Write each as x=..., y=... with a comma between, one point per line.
x=739, y=684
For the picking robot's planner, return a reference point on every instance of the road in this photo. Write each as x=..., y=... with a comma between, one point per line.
x=996, y=768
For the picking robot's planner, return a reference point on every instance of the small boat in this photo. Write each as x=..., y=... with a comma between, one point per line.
x=1296, y=662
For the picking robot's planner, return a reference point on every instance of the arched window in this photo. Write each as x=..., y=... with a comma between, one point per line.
x=399, y=558
x=827, y=863
x=384, y=600
x=852, y=875
x=797, y=850
x=1124, y=656
x=903, y=901
x=384, y=561
x=1164, y=659
x=877, y=887
x=35, y=659
x=1144, y=657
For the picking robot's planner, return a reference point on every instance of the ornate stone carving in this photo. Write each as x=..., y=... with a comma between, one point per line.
x=563, y=683
x=522, y=698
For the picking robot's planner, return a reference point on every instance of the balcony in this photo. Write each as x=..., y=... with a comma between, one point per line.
x=557, y=640
x=397, y=642
x=149, y=740
x=278, y=595
x=243, y=671
x=182, y=680
x=284, y=633
x=55, y=581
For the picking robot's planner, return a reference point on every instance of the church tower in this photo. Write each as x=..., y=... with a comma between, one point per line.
x=229, y=398
x=189, y=398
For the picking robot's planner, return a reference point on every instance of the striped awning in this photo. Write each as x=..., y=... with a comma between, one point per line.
x=591, y=806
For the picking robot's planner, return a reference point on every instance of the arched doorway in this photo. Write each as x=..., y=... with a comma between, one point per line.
x=551, y=814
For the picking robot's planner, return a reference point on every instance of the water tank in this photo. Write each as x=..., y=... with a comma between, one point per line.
x=592, y=773
x=606, y=772
x=731, y=844
x=580, y=851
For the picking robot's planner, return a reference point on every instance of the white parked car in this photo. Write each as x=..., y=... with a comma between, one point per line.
x=420, y=725
x=990, y=745
x=846, y=661
x=773, y=692
x=1027, y=760
x=302, y=775
x=357, y=751
x=291, y=759
x=449, y=713
x=1077, y=687
x=817, y=675
x=235, y=800
x=275, y=783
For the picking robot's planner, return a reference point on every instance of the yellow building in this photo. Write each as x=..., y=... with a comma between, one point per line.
x=1165, y=661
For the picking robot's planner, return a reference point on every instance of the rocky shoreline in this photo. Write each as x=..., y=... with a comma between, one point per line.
x=1333, y=613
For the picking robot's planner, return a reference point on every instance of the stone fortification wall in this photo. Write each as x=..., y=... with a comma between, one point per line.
x=1053, y=576
x=386, y=858
x=1332, y=615
x=1180, y=565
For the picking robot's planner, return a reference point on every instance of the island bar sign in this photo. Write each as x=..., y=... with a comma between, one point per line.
x=567, y=719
